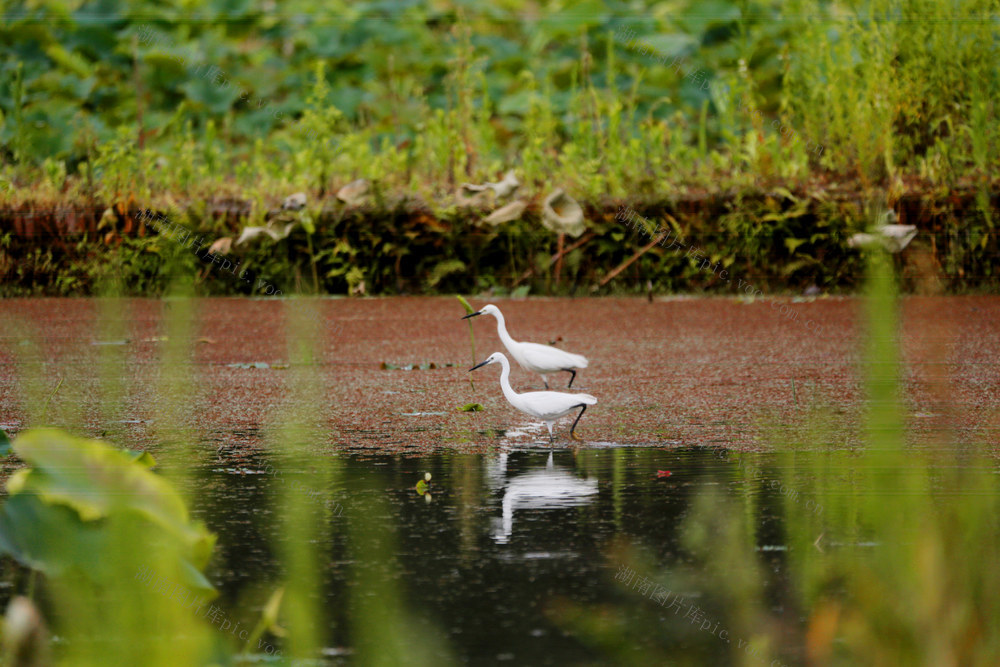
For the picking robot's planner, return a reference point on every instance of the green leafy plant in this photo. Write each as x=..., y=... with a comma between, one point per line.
x=57, y=515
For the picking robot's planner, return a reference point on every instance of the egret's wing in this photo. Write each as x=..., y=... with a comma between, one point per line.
x=547, y=488
x=553, y=404
x=550, y=358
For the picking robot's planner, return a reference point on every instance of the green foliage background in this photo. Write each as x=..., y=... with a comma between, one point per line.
x=755, y=127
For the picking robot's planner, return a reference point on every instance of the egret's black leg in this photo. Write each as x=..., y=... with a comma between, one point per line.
x=546, y=381
x=570, y=370
x=571, y=431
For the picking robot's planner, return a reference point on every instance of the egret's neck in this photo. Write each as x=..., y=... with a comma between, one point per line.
x=508, y=517
x=502, y=331
x=508, y=391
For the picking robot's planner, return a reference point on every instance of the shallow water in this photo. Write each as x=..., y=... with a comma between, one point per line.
x=510, y=538
x=526, y=554
x=687, y=371
x=500, y=538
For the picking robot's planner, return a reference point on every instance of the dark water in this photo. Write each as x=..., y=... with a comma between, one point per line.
x=520, y=556
x=504, y=542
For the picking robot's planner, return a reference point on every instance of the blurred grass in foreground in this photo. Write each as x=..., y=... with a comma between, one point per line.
x=883, y=556
x=142, y=605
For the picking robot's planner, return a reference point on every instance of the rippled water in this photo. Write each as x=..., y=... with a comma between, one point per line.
x=524, y=554
x=500, y=539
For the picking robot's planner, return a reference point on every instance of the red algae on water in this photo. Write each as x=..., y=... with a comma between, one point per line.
x=688, y=371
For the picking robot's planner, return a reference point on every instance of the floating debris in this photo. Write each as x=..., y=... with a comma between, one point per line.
x=426, y=366
x=252, y=364
x=424, y=485
x=472, y=407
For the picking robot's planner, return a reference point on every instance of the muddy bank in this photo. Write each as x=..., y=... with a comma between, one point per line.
x=781, y=240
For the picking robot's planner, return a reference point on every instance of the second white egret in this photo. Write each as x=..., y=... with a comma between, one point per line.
x=547, y=406
x=541, y=359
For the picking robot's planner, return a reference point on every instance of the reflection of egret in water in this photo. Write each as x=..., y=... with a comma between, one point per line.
x=545, y=489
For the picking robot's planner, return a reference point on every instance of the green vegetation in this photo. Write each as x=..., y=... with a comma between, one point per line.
x=754, y=129
x=114, y=563
x=77, y=515
x=74, y=489
x=885, y=555
x=881, y=554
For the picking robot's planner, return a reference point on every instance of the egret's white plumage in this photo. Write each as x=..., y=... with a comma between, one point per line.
x=548, y=406
x=541, y=359
x=552, y=487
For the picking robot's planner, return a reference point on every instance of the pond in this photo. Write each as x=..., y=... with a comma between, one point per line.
x=498, y=538
x=720, y=509
x=505, y=548
x=691, y=371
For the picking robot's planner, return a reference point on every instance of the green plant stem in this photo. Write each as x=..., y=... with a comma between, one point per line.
x=312, y=263
x=472, y=336
x=45, y=408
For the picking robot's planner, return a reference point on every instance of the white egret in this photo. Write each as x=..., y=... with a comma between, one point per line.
x=547, y=406
x=544, y=489
x=541, y=359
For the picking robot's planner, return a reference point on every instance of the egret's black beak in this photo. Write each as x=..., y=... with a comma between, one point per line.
x=479, y=365
x=472, y=315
